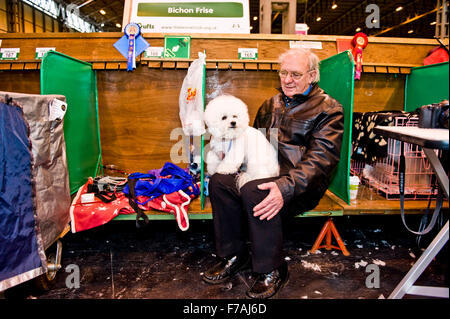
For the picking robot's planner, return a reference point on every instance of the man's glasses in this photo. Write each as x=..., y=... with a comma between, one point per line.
x=295, y=75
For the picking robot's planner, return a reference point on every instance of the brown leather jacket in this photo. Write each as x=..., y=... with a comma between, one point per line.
x=310, y=133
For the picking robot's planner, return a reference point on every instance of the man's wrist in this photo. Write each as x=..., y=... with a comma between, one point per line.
x=286, y=191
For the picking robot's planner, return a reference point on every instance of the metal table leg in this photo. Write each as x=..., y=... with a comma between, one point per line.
x=406, y=285
x=438, y=169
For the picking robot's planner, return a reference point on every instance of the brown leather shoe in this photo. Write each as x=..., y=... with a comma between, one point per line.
x=267, y=285
x=226, y=269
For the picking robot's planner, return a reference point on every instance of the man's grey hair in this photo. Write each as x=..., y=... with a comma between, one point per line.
x=300, y=54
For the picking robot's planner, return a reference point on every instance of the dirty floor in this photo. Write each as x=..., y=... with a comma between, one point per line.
x=118, y=261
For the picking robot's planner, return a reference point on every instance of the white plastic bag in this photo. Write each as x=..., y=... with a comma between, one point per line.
x=191, y=98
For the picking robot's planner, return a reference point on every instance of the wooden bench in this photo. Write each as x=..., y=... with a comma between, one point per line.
x=367, y=203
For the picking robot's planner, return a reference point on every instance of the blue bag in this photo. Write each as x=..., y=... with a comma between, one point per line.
x=171, y=179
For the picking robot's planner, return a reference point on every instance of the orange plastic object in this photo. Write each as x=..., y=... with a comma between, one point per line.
x=327, y=229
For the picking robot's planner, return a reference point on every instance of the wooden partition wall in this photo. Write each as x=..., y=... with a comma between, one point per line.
x=138, y=111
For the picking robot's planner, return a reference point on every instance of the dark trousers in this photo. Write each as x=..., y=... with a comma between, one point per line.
x=235, y=225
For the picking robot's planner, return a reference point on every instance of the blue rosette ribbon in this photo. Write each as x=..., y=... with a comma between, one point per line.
x=132, y=31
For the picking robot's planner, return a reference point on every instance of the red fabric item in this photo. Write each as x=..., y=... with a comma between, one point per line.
x=176, y=203
x=89, y=215
x=437, y=55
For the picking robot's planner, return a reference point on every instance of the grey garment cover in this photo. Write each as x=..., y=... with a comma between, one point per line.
x=49, y=170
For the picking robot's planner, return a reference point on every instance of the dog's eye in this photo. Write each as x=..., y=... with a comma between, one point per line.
x=234, y=116
x=224, y=118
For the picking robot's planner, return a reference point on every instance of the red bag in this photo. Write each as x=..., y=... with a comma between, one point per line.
x=85, y=216
x=89, y=215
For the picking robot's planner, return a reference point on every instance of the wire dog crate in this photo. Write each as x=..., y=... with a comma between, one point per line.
x=382, y=175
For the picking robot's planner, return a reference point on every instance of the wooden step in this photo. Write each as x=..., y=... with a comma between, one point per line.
x=368, y=202
x=326, y=207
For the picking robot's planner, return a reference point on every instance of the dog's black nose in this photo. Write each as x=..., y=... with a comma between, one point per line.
x=233, y=124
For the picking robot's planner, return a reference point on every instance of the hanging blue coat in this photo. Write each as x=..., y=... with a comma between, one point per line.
x=20, y=253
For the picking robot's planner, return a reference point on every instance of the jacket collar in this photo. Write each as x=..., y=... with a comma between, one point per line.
x=298, y=98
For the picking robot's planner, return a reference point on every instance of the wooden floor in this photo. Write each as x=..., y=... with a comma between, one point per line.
x=368, y=202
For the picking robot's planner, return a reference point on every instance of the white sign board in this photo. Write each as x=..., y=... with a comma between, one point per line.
x=40, y=52
x=306, y=44
x=154, y=52
x=301, y=28
x=181, y=16
x=9, y=53
x=248, y=53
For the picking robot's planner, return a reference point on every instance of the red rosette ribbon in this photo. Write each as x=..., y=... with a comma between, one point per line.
x=359, y=42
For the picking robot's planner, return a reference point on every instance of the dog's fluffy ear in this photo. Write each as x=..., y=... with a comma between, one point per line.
x=210, y=117
x=209, y=114
x=246, y=117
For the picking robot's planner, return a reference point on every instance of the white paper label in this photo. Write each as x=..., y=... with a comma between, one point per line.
x=57, y=110
x=40, y=52
x=9, y=53
x=87, y=198
x=154, y=52
x=301, y=28
x=306, y=44
x=248, y=53
x=181, y=16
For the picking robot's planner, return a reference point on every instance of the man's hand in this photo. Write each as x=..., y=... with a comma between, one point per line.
x=271, y=205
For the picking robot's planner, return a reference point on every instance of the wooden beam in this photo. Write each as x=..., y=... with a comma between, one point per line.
x=405, y=22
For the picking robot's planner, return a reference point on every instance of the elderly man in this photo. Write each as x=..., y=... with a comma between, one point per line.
x=310, y=126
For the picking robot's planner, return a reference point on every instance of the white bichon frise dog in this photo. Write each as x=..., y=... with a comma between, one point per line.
x=235, y=146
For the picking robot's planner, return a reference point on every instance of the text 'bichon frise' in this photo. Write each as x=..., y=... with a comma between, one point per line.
x=235, y=146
